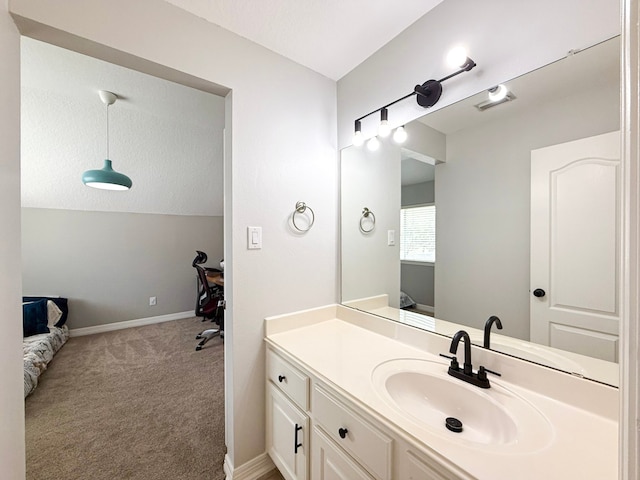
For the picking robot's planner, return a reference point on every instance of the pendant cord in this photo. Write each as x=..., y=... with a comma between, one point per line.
x=107, y=131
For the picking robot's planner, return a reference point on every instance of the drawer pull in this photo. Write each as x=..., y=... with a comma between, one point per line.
x=281, y=378
x=295, y=440
x=343, y=432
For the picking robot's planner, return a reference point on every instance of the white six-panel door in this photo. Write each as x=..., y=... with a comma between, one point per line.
x=575, y=246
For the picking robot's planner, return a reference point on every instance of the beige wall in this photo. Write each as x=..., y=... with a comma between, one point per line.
x=108, y=264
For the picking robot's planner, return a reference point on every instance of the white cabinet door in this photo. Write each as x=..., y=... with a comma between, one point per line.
x=575, y=246
x=413, y=466
x=366, y=443
x=330, y=463
x=287, y=435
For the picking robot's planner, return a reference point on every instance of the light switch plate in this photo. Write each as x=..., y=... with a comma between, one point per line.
x=391, y=237
x=254, y=238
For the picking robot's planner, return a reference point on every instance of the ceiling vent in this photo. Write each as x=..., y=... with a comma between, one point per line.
x=482, y=106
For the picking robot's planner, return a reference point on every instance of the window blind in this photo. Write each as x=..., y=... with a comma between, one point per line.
x=418, y=233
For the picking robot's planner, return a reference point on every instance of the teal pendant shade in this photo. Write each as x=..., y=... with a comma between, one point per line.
x=106, y=178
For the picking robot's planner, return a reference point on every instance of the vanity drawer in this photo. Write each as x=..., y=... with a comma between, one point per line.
x=367, y=444
x=289, y=379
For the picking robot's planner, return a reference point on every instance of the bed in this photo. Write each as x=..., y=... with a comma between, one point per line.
x=44, y=333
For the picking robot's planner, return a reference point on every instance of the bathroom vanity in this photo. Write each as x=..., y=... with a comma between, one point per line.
x=351, y=395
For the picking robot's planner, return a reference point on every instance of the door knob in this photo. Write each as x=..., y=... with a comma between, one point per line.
x=538, y=292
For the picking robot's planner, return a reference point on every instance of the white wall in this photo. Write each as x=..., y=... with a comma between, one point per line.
x=271, y=170
x=503, y=38
x=426, y=140
x=12, y=456
x=280, y=102
x=370, y=267
x=166, y=137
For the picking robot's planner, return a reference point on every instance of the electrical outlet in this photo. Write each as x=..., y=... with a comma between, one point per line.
x=153, y=300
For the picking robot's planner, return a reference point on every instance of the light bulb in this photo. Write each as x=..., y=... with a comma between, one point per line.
x=373, y=144
x=457, y=57
x=384, y=129
x=358, y=138
x=400, y=135
x=498, y=93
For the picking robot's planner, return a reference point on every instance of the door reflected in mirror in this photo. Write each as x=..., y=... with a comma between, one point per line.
x=507, y=208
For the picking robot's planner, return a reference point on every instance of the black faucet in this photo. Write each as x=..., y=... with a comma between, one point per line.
x=487, y=328
x=467, y=368
x=466, y=372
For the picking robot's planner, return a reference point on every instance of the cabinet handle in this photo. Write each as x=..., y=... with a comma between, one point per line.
x=343, y=432
x=296, y=445
x=281, y=378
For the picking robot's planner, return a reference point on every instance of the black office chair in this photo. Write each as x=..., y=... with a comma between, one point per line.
x=209, y=301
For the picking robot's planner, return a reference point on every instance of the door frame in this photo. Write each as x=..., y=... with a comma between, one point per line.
x=629, y=433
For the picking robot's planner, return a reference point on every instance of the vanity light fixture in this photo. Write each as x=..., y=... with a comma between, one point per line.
x=106, y=178
x=358, y=138
x=373, y=144
x=384, y=129
x=457, y=56
x=427, y=95
x=400, y=135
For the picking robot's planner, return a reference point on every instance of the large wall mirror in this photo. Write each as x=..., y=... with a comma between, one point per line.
x=507, y=208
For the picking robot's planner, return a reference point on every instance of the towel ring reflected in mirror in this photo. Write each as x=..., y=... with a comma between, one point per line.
x=367, y=215
x=301, y=209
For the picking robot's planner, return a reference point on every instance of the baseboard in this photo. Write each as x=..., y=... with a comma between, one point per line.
x=139, y=322
x=255, y=469
x=425, y=308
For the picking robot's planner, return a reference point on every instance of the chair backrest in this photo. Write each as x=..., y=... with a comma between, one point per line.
x=201, y=257
x=208, y=297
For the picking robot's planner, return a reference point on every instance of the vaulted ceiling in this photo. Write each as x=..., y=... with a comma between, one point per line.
x=329, y=36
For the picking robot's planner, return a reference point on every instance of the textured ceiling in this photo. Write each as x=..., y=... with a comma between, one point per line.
x=328, y=36
x=166, y=137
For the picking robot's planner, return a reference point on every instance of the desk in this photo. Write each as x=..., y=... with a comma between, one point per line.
x=215, y=278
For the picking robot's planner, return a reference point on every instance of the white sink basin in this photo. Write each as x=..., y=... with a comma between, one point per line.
x=423, y=392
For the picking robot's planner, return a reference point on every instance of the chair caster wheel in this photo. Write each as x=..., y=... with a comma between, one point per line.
x=198, y=348
x=198, y=337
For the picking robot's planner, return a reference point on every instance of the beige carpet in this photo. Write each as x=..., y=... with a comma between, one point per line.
x=139, y=403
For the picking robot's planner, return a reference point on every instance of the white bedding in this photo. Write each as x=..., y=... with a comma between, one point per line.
x=38, y=350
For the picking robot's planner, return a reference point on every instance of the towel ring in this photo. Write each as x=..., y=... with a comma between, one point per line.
x=366, y=213
x=301, y=208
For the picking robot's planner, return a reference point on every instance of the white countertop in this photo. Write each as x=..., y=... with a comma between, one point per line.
x=585, y=366
x=583, y=445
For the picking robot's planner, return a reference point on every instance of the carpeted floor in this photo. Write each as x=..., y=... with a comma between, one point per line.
x=139, y=403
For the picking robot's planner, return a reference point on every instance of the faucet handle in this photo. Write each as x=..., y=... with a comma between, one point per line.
x=454, y=361
x=482, y=372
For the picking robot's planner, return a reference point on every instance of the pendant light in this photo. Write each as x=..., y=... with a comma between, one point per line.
x=106, y=178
